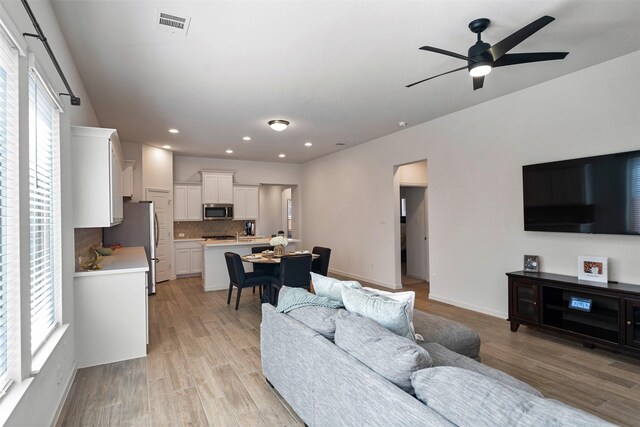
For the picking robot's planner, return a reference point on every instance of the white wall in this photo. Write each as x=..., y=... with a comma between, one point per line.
x=475, y=187
x=44, y=395
x=133, y=151
x=414, y=174
x=270, y=221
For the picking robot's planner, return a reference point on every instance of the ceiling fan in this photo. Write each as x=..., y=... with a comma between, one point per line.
x=482, y=57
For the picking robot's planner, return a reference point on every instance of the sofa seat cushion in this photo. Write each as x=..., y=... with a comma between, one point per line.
x=467, y=398
x=391, y=356
x=452, y=335
x=442, y=356
x=320, y=319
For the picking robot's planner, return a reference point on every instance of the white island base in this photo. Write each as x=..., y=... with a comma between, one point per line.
x=215, y=275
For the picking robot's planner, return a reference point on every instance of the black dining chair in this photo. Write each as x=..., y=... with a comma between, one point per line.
x=266, y=269
x=321, y=265
x=295, y=272
x=240, y=279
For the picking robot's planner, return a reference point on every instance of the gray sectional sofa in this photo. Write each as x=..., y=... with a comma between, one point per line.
x=336, y=368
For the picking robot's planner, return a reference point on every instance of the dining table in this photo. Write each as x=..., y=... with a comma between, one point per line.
x=268, y=258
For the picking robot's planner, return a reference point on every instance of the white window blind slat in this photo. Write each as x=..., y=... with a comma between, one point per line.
x=9, y=221
x=43, y=210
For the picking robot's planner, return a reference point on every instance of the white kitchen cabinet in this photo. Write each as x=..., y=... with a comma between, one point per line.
x=111, y=309
x=97, y=163
x=127, y=178
x=217, y=187
x=187, y=204
x=188, y=257
x=245, y=202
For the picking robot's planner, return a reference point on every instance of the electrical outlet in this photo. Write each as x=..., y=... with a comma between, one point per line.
x=59, y=374
x=180, y=234
x=371, y=266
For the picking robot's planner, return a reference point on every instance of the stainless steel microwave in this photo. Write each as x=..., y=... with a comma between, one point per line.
x=213, y=211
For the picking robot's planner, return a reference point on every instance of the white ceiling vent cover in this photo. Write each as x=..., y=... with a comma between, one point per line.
x=172, y=23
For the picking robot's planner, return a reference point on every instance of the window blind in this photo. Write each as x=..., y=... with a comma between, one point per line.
x=44, y=220
x=9, y=227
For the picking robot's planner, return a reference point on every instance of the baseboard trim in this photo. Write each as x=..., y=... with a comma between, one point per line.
x=490, y=312
x=364, y=279
x=65, y=395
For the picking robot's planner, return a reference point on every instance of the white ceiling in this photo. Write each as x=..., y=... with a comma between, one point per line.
x=336, y=70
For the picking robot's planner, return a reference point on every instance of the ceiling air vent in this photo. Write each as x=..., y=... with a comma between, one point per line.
x=172, y=23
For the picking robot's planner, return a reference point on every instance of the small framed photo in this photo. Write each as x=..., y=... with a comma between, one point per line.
x=592, y=268
x=532, y=263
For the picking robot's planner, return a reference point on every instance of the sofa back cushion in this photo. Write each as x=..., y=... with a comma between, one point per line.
x=320, y=319
x=468, y=398
x=331, y=288
x=391, y=356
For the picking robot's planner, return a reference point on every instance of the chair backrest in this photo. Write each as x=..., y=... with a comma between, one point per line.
x=235, y=268
x=259, y=249
x=321, y=265
x=295, y=271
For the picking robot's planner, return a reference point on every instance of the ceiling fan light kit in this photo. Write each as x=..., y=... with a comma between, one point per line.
x=278, y=125
x=482, y=57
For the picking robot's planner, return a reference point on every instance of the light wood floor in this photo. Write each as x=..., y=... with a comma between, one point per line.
x=203, y=367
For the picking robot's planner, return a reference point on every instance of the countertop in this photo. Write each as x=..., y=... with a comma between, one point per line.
x=182, y=239
x=242, y=242
x=124, y=260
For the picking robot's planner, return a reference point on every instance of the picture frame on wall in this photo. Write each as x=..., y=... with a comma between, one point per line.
x=531, y=263
x=593, y=268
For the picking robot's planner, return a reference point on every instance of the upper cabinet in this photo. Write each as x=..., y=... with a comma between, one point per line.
x=245, y=202
x=217, y=187
x=127, y=178
x=187, y=204
x=97, y=177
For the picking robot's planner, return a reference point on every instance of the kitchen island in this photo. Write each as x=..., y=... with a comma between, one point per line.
x=215, y=275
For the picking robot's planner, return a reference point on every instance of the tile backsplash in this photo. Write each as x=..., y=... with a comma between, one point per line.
x=84, y=239
x=197, y=229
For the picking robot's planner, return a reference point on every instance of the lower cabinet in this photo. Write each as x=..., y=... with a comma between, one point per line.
x=632, y=322
x=188, y=258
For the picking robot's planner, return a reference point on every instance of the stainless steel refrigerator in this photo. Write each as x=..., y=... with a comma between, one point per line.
x=138, y=228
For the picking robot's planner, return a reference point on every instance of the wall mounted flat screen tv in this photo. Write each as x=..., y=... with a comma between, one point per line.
x=599, y=195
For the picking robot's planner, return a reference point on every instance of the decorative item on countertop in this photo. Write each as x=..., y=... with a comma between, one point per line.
x=105, y=251
x=532, y=263
x=278, y=243
x=91, y=261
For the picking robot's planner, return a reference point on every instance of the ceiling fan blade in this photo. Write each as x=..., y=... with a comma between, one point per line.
x=433, y=77
x=478, y=82
x=445, y=52
x=523, y=58
x=505, y=45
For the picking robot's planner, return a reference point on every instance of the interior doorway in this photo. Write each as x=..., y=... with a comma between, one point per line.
x=412, y=270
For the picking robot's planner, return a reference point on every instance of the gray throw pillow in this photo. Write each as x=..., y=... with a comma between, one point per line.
x=331, y=288
x=393, y=357
x=320, y=319
x=388, y=312
x=470, y=399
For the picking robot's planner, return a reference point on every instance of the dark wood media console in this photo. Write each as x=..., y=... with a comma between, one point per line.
x=559, y=303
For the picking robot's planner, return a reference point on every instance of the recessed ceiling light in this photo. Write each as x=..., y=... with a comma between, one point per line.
x=282, y=155
x=278, y=125
x=246, y=138
x=174, y=131
x=308, y=144
x=166, y=147
x=229, y=151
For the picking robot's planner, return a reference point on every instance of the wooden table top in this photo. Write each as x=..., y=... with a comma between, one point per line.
x=269, y=258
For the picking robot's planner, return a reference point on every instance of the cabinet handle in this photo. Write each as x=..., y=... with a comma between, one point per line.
x=628, y=322
x=535, y=303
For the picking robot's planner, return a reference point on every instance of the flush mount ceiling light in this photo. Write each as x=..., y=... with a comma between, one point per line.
x=278, y=125
x=246, y=138
x=229, y=151
x=282, y=155
x=308, y=144
x=174, y=131
x=166, y=147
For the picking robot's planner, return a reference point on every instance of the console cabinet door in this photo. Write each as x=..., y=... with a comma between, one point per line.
x=632, y=323
x=523, y=302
